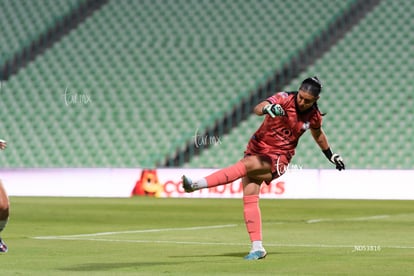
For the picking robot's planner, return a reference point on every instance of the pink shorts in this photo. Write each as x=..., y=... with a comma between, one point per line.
x=279, y=162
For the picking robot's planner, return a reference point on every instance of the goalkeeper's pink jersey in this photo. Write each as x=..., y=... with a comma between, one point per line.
x=280, y=135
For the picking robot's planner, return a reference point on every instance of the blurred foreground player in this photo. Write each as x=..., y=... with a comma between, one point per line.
x=4, y=206
x=270, y=150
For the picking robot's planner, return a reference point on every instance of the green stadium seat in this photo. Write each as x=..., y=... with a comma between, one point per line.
x=157, y=71
x=363, y=88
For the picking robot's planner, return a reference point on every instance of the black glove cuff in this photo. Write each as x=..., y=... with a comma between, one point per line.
x=328, y=153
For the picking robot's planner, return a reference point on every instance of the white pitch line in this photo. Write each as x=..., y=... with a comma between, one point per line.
x=89, y=237
x=317, y=220
x=348, y=219
x=368, y=218
x=136, y=231
x=220, y=243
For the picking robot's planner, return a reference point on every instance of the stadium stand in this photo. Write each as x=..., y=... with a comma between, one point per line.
x=367, y=96
x=154, y=72
x=38, y=30
x=25, y=22
x=137, y=80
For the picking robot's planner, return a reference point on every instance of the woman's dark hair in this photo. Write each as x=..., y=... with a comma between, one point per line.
x=312, y=85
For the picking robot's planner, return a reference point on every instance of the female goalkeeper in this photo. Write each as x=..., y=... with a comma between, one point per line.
x=269, y=151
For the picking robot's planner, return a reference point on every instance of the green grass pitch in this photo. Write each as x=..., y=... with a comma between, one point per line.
x=150, y=236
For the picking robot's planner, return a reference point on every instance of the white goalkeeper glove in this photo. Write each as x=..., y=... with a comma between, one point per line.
x=335, y=159
x=273, y=110
x=338, y=161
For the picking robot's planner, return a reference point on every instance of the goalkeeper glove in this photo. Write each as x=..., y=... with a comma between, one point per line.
x=335, y=159
x=273, y=110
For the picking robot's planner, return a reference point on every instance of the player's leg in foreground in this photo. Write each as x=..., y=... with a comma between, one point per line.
x=4, y=214
x=252, y=216
x=253, y=171
x=220, y=177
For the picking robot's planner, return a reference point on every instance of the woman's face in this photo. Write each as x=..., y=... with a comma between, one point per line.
x=305, y=100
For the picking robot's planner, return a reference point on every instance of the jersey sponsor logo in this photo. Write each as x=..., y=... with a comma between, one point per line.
x=284, y=133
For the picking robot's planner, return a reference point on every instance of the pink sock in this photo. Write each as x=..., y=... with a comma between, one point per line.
x=252, y=217
x=226, y=175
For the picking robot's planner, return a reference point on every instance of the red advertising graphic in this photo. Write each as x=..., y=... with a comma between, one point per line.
x=232, y=190
x=148, y=184
x=165, y=183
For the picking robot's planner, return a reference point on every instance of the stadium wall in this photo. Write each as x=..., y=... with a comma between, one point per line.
x=296, y=183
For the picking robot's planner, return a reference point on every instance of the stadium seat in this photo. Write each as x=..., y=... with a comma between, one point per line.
x=365, y=96
x=157, y=71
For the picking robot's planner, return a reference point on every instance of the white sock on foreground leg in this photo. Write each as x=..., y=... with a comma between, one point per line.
x=257, y=246
x=199, y=184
